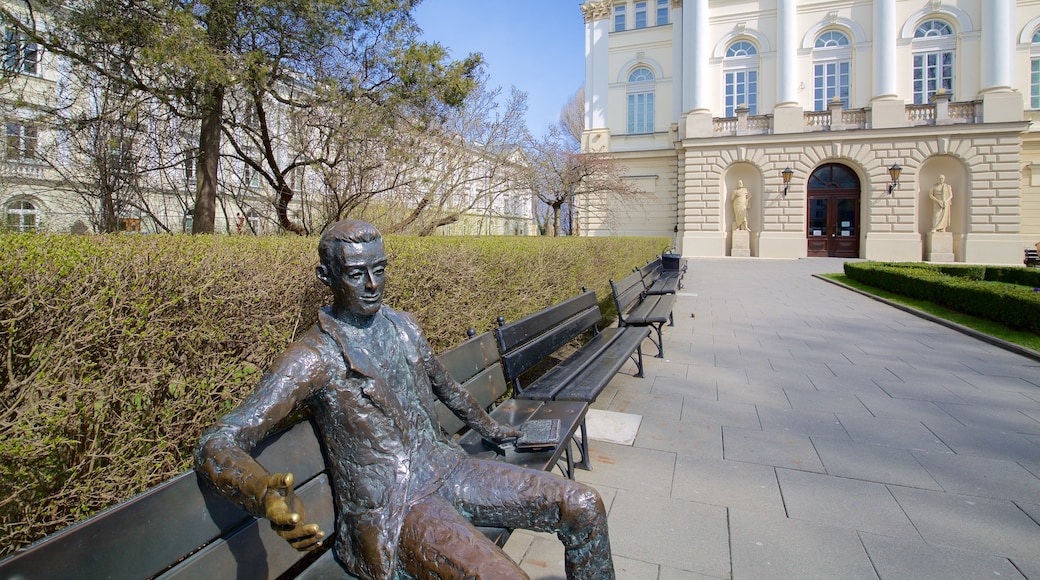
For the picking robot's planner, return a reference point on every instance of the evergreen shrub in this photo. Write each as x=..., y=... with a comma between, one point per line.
x=119, y=350
x=993, y=293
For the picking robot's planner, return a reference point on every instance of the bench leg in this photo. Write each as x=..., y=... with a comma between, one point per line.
x=583, y=445
x=638, y=359
x=660, y=339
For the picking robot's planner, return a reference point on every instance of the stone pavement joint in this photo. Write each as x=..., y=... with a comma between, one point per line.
x=798, y=429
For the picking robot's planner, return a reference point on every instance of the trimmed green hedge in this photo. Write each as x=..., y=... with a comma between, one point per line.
x=1004, y=294
x=119, y=350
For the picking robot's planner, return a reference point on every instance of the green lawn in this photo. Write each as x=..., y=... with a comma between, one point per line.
x=1019, y=337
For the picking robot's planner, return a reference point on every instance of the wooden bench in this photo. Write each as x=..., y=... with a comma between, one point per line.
x=662, y=276
x=636, y=308
x=1032, y=258
x=581, y=375
x=183, y=529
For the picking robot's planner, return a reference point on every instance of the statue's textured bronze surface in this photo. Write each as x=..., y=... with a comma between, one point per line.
x=407, y=496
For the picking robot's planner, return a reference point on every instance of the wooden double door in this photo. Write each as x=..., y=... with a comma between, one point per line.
x=833, y=212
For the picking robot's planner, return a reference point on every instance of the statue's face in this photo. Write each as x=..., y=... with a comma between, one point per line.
x=358, y=285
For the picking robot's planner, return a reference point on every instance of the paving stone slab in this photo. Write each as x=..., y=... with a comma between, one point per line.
x=832, y=401
x=755, y=394
x=720, y=414
x=843, y=502
x=991, y=526
x=987, y=443
x=773, y=449
x=767, y=548
x=873, y=463
x=682, y=438
x=935, y=393
x=895, y=433
x=891, y=408
x=731, y=484
x=667, y=406
x=981, y=476
x=821, y=423
x=687, y=388
x=1004, y=417
x=621, y=467
x=676, y=533
x=899, y=558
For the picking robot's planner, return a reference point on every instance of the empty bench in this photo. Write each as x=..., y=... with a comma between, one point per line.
x=183, y=529
x=581, y=374
x=638, y=309
x=663, y=276
x=1032, y=258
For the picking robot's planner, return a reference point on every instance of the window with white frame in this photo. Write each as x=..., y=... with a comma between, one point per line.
x=619, y=18
x=22, y=216
x=933, y=47
x=641, y=101
x=21, y=141
x=832, y=63
x=1034, y=72
x=740, y=73
x=21, y=55
x=641, y=14
x=662, y=12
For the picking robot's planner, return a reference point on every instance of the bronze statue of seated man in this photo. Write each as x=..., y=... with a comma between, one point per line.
x=408, y=497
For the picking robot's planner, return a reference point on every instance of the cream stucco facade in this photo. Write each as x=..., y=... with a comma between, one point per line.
x=695, y=95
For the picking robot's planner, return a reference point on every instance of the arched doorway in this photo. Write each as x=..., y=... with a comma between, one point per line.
x=833, y=192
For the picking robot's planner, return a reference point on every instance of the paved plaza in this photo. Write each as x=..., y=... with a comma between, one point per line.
x=797, y=429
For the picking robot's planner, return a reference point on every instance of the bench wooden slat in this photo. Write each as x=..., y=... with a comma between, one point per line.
x=255, y=550
x=516, y=333
x=589, y=386
x=515, y=362
x=560, y=376
x=158, y=526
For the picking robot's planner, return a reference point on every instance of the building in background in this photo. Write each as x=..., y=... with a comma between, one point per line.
x=838, y=117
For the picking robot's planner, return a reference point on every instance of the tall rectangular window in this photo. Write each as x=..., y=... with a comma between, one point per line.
x=641, y=15
x=1034, y=84
x=742, y=90
x=662, y=12
x=20, y=54
x=831, y=79
x=932, y=71
x=21, y=142
x=619, y=18
x=640, y=113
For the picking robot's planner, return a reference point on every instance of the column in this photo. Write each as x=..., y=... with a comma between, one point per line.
x=886, y=31
x=597, y=27
x=787, y=53
x=999, y=102
x=998, y=44
x=678, y=71
x=696, y=53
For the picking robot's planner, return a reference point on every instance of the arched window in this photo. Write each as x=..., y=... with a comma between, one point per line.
x=832, y=62
x=740, y=70
x=641, y=101
x=1034, y=72
x=22, y=216
x=933, y=46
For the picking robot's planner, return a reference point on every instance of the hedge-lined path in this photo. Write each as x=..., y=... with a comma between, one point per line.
x=802, y=430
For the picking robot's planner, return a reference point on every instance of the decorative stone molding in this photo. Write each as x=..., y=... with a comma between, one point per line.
x=596, y=10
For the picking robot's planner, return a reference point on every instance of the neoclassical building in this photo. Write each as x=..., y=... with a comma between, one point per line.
x=839, y=117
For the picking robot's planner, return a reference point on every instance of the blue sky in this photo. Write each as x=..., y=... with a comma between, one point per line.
x=536, y=45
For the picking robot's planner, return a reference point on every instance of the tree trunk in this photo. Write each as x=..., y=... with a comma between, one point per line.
x=204, y=215
x=557, y=210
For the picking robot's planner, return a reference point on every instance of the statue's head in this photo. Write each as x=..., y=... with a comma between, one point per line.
x=353, y=266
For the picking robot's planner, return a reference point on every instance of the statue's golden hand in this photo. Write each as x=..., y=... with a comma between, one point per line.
x=285, y=511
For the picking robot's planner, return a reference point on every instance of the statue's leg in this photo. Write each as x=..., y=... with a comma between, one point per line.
x=437, y=542
x=492, y=493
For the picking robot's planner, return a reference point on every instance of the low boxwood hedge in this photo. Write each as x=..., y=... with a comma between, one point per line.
x=1008, y=295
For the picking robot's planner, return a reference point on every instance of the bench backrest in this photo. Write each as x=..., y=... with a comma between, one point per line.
x=526, y=342
x=652, y=270
x=146, y=535
x=627, y=292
